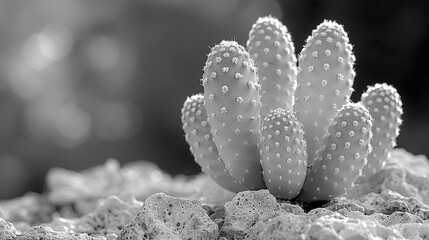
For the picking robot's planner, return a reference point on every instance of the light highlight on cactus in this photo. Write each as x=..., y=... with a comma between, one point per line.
x=385, y=106
x=200, y=140
x=325, y=80
x=270, y=46
x=233, y=106
x=283, y=154
x=340, y=160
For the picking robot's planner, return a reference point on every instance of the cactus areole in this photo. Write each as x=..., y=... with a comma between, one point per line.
x=268, y=120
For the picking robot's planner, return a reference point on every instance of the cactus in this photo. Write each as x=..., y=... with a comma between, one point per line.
x=197, y=134
x=313, y=143
x=272, y=49
x=233, y=104
x=325, y=81
x=340, y=160
x=384, y=104
x=283, y=154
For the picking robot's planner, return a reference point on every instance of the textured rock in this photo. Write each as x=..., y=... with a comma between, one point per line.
x=292, y=208
x=165, y=217
x=343, y=228
x=7, y=230
x=101, y=181
x=393, y=205
x=112, y=214
x=31, y=208
x=47, y=233
x=404, y=173
x=344, y=203
x=208, y=192
x=389, y=201
x=78, y=193
x=287, y=225
x=248, y=212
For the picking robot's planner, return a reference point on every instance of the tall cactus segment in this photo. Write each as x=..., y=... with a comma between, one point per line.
x=233, y=104
x=342, y=157
x=283, y=154
x=200, y=140
x=385, y=106
x=272, y=49
x=325, y=80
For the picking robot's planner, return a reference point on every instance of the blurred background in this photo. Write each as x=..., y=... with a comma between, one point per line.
x=84, y=81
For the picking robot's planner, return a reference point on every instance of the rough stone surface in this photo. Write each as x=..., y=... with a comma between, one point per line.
x=31, y=208
x=208, y=192
x=7, y=230
x=393, y=204
x=110, y=216
x=248, y=211
x=46, y=233
x=339, y=227
x=165, y=217
x=281, y=226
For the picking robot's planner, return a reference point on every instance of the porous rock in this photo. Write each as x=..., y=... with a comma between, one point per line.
x=285, y=226
x=248, y=212
x=32, y=208
x=404, y=173
x=208, y=192
x=339, y=227
x=46, y=233
x=7, y=230
x=112, y=214
x=166, y=217
x=388, y=202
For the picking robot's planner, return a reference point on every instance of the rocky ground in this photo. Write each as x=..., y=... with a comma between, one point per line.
x=110, y=202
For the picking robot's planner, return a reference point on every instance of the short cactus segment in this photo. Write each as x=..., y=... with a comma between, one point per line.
x=342, y=157
x=271, y=47
x=325, y=80
x=200, y=140
x=385, y=106
x=283, y=154
x=233, y=106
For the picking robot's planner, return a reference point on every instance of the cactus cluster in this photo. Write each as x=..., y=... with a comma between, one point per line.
x=268, y=120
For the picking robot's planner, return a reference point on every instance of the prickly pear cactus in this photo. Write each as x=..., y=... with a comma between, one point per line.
x=342, y=156
x=197, y=134
x=325, y=81
x=233, y=104
x=283, y=154
x=308, y=143
x=272, y=49
x=385, y=106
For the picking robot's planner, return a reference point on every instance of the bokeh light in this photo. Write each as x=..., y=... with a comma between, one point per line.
x=103, y=52
x=72, y=125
